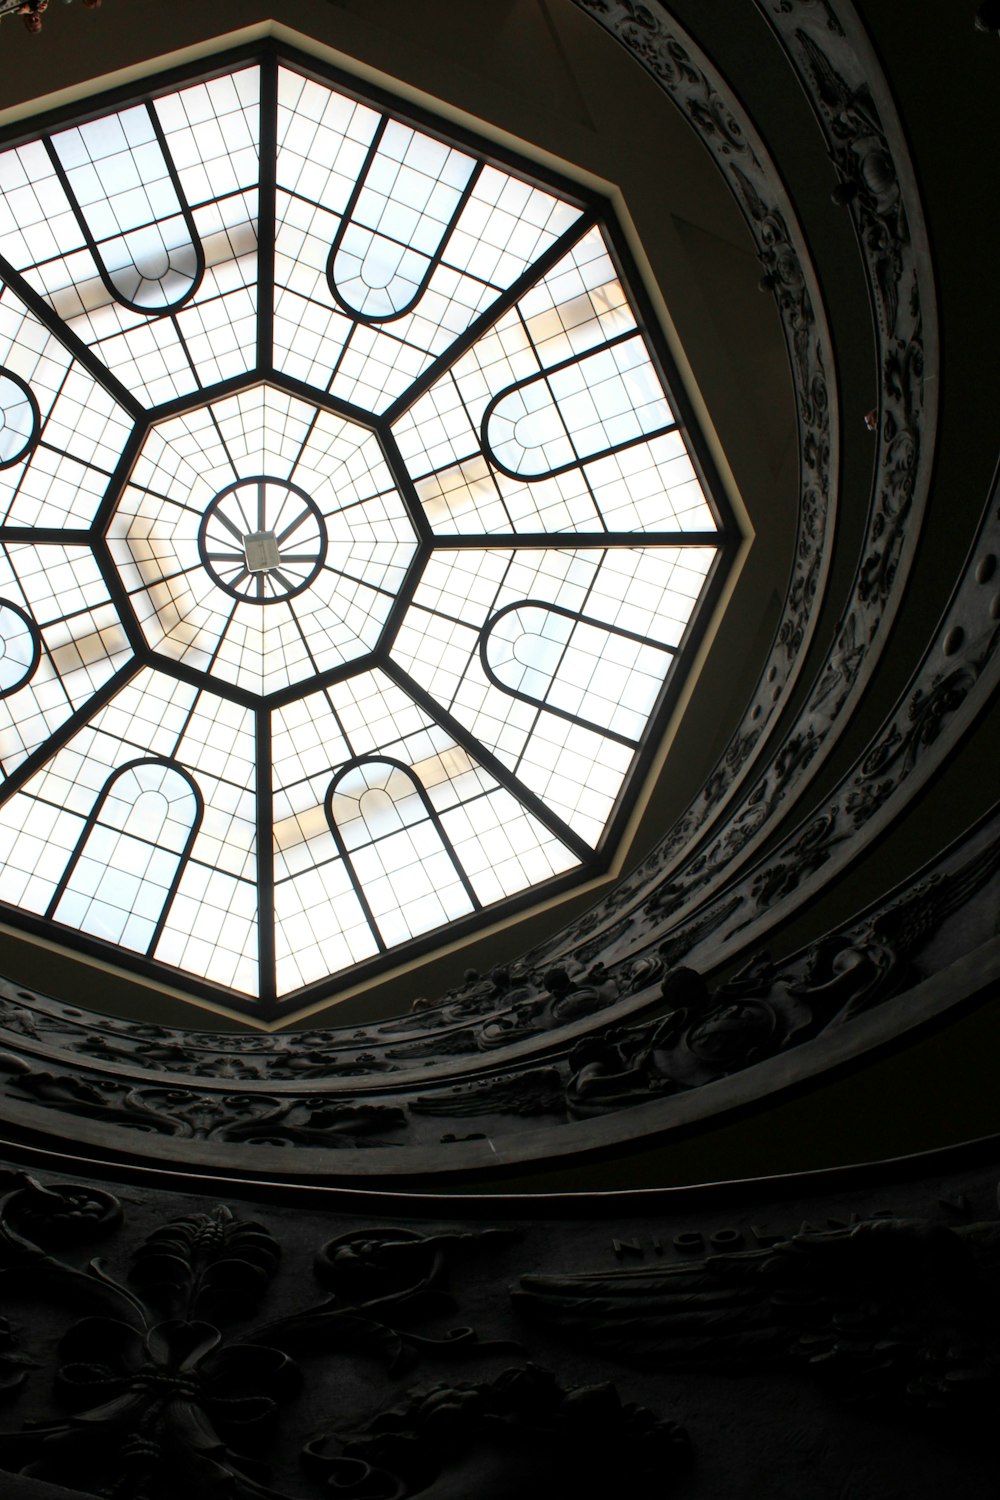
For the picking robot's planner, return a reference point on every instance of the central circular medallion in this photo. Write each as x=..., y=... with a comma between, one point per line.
x=262, y=540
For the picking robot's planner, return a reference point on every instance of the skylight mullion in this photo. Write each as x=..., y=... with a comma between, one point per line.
x=225, y=445
x=146, y=489
x=491, y=763
x=434, y=259
x=119, y=598
x=292, y=525
x=286, y=583
x=221, y=638
x=70, y=341
x=501, y=497
x=76, y=537
x=67, y=729
x=175, y=324
x=195, y=677
x=576, y=541
x=91, y=820
x=123, y=469
x=345, y=858
x=354, y=578
x=267, y=984
x=558, y=411
x=345, y=346
x=295, y=387
x=362, y=177
x=266, y=212
x=74, y=614
x=302, y=636
x=177, y=405
x=42, y=441
x=304, y=444
x=172, y=890
x=563, y=713
x=122, y=234
x=192, y=707
x=490, y=315
x=403, y=600
x=64, y=453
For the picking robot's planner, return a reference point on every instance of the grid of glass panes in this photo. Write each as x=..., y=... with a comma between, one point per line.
x=185, y=614
x=442, y=379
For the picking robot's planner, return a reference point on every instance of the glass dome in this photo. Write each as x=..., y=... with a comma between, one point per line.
x=354, y=534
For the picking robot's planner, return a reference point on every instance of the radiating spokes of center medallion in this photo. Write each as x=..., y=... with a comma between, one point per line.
x=262, y=540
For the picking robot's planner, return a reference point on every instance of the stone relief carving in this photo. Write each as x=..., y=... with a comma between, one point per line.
x=170, y=1381
x=902, y=291
x=250, y=1353
x=707, y=1033
x=691, y=1030
x=892, y=1314
x=522, y=1433
x=698, y=91
x=253, y=1119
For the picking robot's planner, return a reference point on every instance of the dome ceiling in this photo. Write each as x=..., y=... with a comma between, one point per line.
x=758, y=946
x=355, y=534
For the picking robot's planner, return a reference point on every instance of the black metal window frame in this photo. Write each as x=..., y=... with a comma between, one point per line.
x=578, y=618
x=28, y=668
x=92, y=820
x=433, y=817
x=146, y=310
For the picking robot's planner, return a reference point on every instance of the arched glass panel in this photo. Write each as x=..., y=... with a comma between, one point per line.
x=581, y=409
x=599, y=676
x=124, y=190
x=123, y=874
x=406, y=873
x=19, y=419
x=20, y=647
x=398, y=221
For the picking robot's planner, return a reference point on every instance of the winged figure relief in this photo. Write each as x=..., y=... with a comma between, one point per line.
x=889, y=1312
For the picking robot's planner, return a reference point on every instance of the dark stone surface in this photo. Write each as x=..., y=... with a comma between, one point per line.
x=800, y=1337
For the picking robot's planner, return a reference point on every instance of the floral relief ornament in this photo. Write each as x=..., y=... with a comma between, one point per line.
x=166, y=1397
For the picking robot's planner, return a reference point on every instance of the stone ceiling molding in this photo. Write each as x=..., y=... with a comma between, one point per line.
x=386, y=1356
x=678, y=66
x=842, y=86
x=396, y=1101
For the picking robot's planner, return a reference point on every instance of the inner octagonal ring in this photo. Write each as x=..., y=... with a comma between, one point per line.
x=256, y=545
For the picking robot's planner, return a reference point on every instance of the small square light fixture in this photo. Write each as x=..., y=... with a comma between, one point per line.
x=261, y=548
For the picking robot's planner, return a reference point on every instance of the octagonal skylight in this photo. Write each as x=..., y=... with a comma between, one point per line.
x=351, y=536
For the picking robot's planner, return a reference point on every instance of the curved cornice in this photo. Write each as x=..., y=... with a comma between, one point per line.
x=843, y=84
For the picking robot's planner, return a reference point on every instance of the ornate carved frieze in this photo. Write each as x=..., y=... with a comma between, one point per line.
x=175, y=1373
x=691, y=1031
x=284, y=1353
x=702, y=1033
x=678, y=66
x=877, y=180
x=886, y=1313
